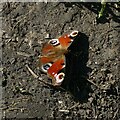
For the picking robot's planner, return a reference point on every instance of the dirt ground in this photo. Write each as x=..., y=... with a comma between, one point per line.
x=25, y=27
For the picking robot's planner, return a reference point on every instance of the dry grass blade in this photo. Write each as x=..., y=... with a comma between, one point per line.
x=74, y=106
x=115, y=114
x=65, y=111
x=92, y=83
x=23, y=54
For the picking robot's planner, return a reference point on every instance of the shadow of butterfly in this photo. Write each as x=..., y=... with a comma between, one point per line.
x=76, y=70
x=53, y=60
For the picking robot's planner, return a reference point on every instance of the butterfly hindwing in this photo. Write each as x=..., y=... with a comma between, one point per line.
x=54, y=72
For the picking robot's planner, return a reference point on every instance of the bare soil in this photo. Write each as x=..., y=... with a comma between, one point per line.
x=25, y=26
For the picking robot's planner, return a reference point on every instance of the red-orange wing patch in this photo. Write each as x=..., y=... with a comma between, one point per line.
x=55, y=73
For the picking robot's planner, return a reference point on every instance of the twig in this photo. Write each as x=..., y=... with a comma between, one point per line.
x=69, y=108
x=40, y=79
x=92, y=83
x=74, y=106
x=24, y=54
x=66, y=111
x=115, y=114
x=37, y=77
x=12, y=109
x=24, y=16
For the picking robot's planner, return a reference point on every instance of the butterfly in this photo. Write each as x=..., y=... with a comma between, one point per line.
x=53, y=56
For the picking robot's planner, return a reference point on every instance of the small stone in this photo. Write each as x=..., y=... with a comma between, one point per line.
x=60, y=102
x=90, y=99
x=103, y=69
x=96, y=63
x=26, y=39
x=17, y=39
x=47, y=36
x=88, y=111
x=6, y=36
x=89, y=62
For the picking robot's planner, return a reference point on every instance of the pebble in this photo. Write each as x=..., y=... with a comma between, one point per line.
x=17, y=39
x=47, y=36
x=89, y=62
x=103, y=69
x=96, y=63
x=6, y=36
x=60, y=102
x=88, y=111
x=90, y=99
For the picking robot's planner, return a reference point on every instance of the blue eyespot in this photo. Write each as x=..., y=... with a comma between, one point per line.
x=45, y=67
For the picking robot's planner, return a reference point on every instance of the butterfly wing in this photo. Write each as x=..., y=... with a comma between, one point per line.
x=54, y=48
x=53, y=60
x=56, y=73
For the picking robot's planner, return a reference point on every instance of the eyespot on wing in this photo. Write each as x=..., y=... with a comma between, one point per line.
x=56, y=67
x=45, y=67
x=74, y=34
x=54, y=42
x=59, y=79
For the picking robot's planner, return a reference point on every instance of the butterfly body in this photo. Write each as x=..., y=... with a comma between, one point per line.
x=52, y=58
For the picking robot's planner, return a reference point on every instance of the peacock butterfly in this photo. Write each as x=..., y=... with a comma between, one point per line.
x=53, y=56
